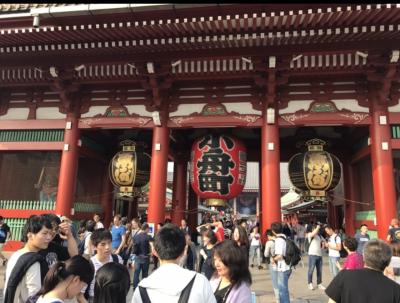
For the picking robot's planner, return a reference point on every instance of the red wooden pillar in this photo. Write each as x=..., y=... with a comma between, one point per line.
x=107, y=200
x=158, y=174
x=382, y=168
x=350, y=207
x=270, y=174
x=179, y=204
x=68, y=168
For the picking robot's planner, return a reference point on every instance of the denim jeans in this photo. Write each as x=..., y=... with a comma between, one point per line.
x=141, y=265
x=332, y=266
x=283, y=286
x=255, y=252
x=314, y=261
x=274, y=278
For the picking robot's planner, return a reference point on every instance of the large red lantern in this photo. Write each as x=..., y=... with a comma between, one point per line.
x=218, y=168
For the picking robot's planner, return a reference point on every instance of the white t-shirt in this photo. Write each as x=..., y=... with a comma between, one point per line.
x=167, y=282
x=315, y=245
x=30, y=283
x=334, y=239
x=255, y=239
x=99, y=225
x=97, y=264
x=280, y=249
x=88, y=243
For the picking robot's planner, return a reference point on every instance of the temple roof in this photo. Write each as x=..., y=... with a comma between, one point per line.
x=23, y=7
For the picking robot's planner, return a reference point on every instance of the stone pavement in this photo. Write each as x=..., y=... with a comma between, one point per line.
x=262, y=286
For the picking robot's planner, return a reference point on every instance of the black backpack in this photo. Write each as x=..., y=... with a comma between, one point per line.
x=293, y=254
x=184, y=297
x=25, y=261
x=343, y=253
x=81, y=245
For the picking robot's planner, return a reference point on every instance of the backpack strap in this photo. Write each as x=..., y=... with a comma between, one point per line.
x=25, y=261
x=115, y=258
x=185, y=294
x=144, y=295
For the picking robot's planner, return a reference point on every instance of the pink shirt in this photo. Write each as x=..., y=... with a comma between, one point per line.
x=354, y=261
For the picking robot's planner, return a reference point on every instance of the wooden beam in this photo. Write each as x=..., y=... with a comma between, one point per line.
x=33, y=124
x=27, y=146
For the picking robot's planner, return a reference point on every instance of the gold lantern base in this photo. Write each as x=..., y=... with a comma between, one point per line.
x=216, y=202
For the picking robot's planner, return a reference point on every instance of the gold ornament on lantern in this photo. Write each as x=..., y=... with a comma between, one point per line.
x=316, y=171
x=129, y=169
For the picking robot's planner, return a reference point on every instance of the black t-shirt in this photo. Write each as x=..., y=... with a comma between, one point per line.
x=220, y=294
x=207, y=268
x=4, y=230
x=363, y=286
x=394, y=234
x=142, y=240
x=55, y=252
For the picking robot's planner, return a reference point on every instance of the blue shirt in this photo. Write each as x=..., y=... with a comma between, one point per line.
x=361, y=241
x=117, y=233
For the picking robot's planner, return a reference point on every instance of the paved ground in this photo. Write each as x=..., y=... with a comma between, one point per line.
x=262, y=286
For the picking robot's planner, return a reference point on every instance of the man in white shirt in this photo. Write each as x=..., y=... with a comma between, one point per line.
x=334, y=245
x=96, y=218
x=167, y=283
x=283, y=269
x=314, y=255
x=38, y=234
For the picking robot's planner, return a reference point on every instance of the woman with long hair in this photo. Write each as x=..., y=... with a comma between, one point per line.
x=65, y=280
x=232, y=279
x=111, y=284
x=241, y=239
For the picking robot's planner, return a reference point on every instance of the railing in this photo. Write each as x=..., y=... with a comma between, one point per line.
x=35, y=135
x=27, y=205
x=17, y=224
x=48, y=205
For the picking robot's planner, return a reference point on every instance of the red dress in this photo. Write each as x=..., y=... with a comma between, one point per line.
x=219, y=233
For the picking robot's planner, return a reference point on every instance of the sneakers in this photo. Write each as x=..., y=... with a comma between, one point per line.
x=310, y=286
x=322, y=287
x=260, y=267
x=5, y=262
x=252, y=265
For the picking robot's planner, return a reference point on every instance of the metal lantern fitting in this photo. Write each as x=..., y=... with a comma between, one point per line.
x=316, y=171
x=129, y=169
x=218, y=168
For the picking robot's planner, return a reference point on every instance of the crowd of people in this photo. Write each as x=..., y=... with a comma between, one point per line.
x=209, y=263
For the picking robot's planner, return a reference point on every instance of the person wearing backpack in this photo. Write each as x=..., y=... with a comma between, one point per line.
x=64, y=281
x=102, y=241
x=334, y=246
x=283, y=270
x=316, y=242
x=171, y=283
x=26, y=268
x=85, y=247
x=269, y=252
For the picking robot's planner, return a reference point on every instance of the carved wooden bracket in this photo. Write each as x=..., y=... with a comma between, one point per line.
x=214, y=114
x=320, y=112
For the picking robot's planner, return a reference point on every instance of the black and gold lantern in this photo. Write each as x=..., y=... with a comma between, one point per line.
x=316, y=171
x=129, y=169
